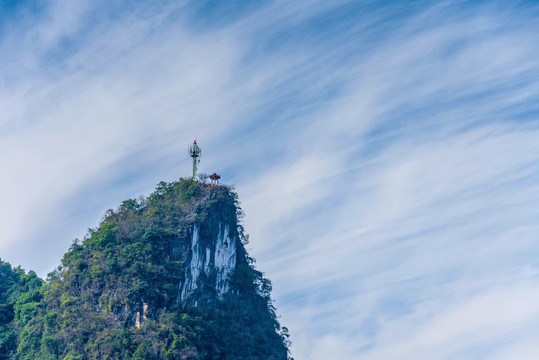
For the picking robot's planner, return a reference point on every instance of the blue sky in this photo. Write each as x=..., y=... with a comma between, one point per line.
x=386, y=153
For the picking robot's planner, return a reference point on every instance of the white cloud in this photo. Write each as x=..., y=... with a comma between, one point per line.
x=386, y=164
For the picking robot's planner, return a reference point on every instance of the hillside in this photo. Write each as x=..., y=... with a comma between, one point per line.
x=166, y=277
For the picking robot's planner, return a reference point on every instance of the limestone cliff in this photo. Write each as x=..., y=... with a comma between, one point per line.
x=211, y=259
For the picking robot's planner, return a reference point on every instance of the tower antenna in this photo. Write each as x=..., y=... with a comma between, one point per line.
x=195, y=152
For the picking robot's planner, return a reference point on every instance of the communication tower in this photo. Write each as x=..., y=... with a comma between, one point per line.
x=195, y=152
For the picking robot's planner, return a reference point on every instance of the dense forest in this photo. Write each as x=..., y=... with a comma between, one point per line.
x=148, y=283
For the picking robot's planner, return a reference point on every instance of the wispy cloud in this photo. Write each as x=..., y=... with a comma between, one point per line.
x=386, y=154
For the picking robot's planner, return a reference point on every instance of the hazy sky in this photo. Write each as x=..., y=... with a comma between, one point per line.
x=386, y=153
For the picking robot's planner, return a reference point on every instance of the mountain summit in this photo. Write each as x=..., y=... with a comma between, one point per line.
x=166, y=277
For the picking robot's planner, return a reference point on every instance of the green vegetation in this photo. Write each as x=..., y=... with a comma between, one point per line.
x=116, y=293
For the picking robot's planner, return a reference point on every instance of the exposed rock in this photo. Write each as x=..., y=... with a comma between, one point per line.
x=210, y=260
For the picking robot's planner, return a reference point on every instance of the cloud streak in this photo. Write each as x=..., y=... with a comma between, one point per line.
x=386, y=155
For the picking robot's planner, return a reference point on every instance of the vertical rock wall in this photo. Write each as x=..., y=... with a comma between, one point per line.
x=210, y=262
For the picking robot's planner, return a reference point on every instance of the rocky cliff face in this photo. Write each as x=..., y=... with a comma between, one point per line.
x=211, y=259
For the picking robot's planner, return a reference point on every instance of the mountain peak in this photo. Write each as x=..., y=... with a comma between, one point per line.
x=164, y=277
